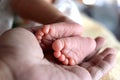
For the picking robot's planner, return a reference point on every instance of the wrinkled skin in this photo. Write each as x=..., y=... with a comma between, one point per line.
x=20, y=50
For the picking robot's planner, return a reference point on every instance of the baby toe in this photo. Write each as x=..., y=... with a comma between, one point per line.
x=39, y=34
x=57, y=54
x=58, y=45
x=46, y=29
x=66, y=62
x=71, y=62
x=62, y=58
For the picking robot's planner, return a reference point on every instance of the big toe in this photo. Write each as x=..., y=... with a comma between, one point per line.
x=58, y=45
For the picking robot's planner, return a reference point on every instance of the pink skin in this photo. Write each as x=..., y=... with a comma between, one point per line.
x=73, y=50
x=24, y=59
x=69, y=47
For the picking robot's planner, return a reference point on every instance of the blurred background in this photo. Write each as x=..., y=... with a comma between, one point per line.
x=106, y=12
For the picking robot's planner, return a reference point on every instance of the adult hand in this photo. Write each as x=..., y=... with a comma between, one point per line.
x=20, y=51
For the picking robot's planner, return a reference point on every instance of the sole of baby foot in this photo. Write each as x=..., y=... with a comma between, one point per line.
x=73, y=49
x=60, y=30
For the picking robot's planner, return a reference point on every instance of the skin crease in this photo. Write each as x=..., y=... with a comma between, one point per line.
x=24, y=59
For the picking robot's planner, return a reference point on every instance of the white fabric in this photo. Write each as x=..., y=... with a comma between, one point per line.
x=69, y=8
x=6, y=17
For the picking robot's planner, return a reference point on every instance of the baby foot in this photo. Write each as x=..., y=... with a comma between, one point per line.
x=73, y=50
x=48, y=33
